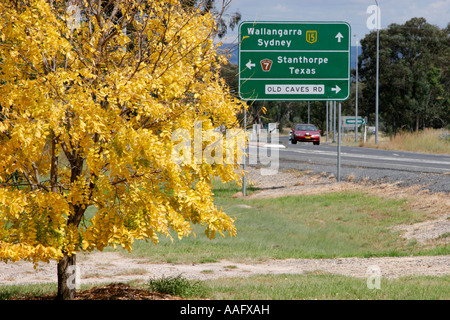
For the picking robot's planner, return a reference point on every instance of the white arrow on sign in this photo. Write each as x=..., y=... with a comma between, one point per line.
x=337, y=89
x=249, y=65
x=339, y=36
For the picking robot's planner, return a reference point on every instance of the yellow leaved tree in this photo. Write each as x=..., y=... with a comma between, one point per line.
x=93, y=95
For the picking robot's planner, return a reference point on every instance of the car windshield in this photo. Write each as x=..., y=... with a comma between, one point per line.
x=304, y=127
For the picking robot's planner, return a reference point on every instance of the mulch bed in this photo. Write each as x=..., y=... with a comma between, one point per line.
x=114, y=291
x=121, y=291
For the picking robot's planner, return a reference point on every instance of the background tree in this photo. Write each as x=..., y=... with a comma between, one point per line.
x=413, y=75
x=92, y=93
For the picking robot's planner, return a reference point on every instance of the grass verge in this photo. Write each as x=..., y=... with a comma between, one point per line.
x=330, y=225
x=340, y=224
x=425, y=141
x=277, y=287
x=328, y=287
x=26, y=291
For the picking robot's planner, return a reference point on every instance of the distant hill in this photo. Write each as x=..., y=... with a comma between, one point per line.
x=234, y=59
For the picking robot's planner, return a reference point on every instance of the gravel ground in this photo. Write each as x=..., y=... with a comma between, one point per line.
x=432, y=182
x=112, y=267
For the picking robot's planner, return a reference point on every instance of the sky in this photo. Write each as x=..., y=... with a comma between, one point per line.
x=436, y=12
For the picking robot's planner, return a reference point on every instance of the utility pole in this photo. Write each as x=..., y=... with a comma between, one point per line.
x=377, y=75
x=309, y=114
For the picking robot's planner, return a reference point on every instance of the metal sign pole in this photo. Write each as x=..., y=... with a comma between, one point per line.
x=356, y=95
x=326, y=109
x=334, y=121
x=339, y=147
x=244, y=187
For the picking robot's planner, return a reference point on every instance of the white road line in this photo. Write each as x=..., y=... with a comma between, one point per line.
x=384, y=158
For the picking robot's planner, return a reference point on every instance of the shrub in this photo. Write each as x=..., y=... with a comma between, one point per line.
x=177, y=286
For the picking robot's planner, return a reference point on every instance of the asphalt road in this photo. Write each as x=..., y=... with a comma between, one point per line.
x=405, y=168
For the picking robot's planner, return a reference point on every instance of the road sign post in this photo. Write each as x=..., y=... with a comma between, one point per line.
x=339, y=147
x=294, y=61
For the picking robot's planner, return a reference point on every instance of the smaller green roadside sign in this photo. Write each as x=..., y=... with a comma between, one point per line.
x=294, y=60
x=352, y=121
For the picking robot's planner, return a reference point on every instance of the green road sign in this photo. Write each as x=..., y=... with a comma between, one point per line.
x=352, y=121
x=294, y=60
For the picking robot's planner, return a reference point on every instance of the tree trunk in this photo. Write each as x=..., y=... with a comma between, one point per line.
x=66, y=277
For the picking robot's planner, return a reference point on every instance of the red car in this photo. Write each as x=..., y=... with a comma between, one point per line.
x=305, y=133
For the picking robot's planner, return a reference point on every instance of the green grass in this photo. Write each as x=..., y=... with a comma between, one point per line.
x=27, y=291
x=341, y=224
x=276, y=287
x=327, y=287
x=312, y=286
x=178, y=286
